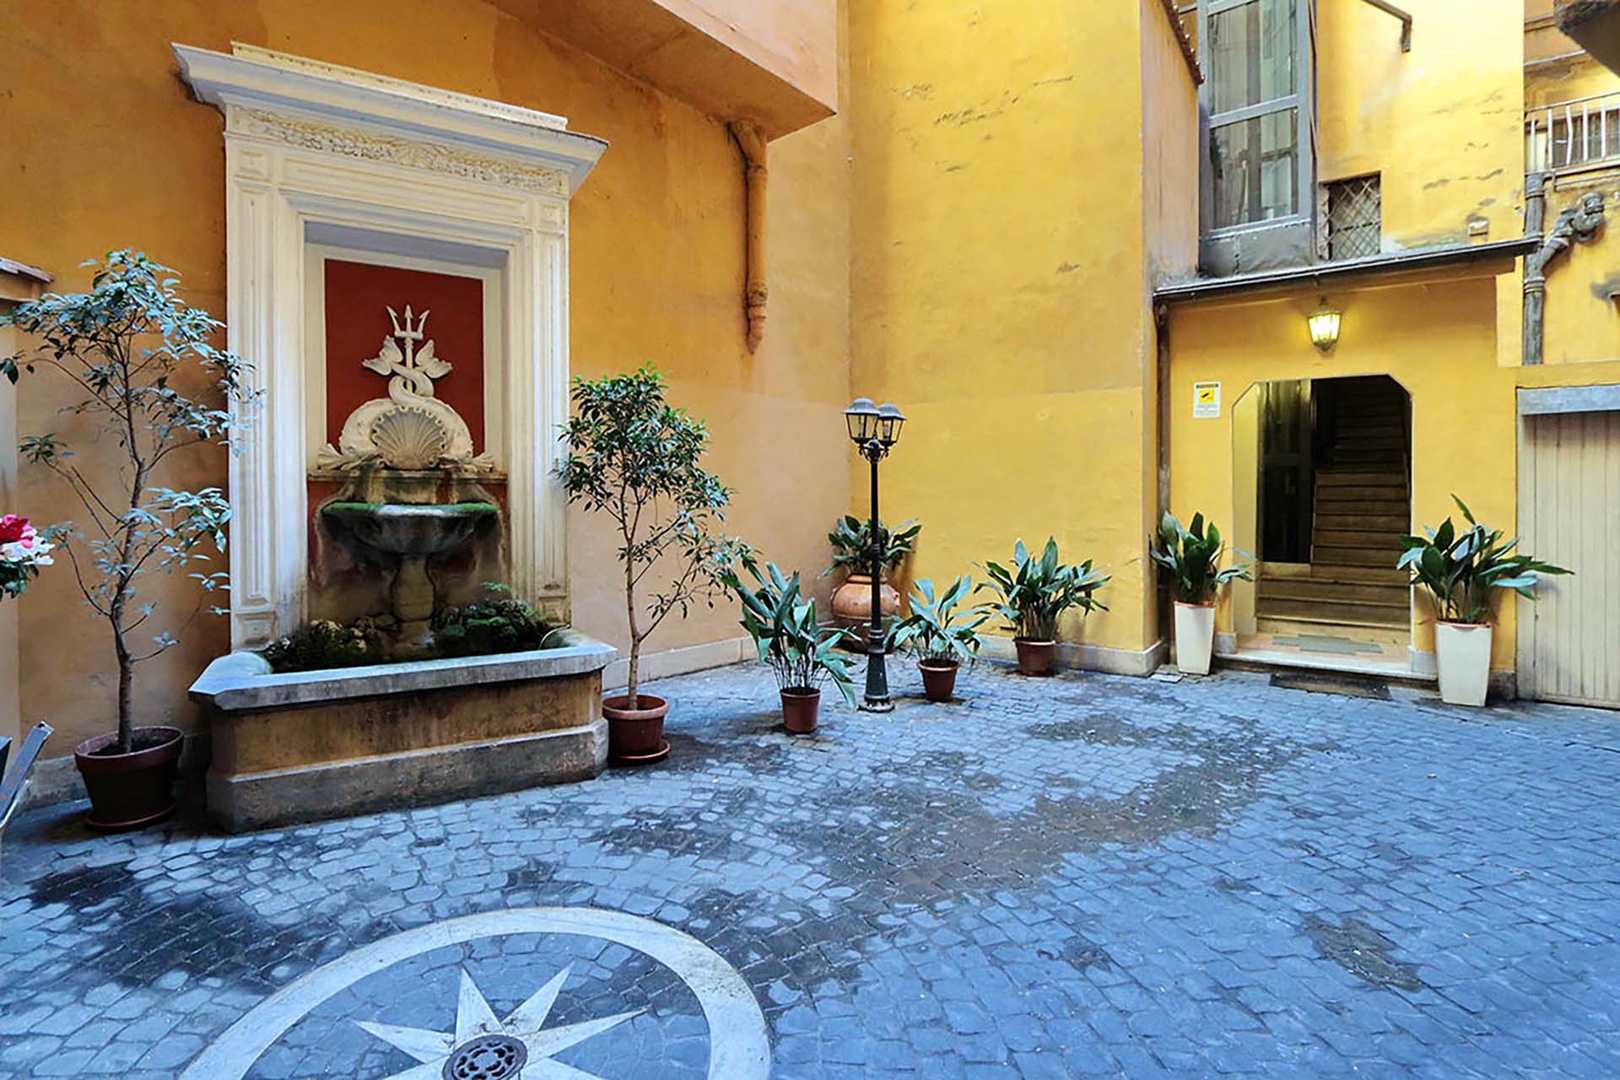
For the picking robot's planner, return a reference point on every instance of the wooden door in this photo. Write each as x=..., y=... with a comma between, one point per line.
x=1569, y=514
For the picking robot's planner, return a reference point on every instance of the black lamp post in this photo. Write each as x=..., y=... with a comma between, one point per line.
x=874, y=429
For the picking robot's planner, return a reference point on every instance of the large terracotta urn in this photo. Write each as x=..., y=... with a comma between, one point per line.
x=852, y=603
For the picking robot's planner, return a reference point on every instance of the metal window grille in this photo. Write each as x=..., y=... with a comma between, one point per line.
x=1355, y=217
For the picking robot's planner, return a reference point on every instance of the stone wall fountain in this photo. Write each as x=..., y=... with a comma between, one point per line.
x=411, y=483
x=411, y=521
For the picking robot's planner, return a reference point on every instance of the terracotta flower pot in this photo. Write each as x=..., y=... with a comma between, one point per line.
x=636, y=736
x=130, y=790
x=799, y=710
x=939, y=680
x=1035, y=657
x=852, y=604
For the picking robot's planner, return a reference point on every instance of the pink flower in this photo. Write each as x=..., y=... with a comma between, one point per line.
x=14, y=529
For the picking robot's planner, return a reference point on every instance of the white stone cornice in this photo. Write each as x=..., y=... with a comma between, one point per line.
x=292, y=99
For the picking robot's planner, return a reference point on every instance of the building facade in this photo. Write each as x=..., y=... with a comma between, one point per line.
x=1078, y=244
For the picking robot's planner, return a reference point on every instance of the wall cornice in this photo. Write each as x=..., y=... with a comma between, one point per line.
x=324, y=106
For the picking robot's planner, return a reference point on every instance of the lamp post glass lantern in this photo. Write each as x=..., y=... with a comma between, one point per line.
x=874, y=429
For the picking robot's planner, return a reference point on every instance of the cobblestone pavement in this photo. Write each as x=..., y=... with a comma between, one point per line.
x=1085, y=876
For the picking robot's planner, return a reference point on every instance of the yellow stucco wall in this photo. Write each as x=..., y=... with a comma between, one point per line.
x=1443, y=123
x=1437, y=340
x=999, y=277
x=109, y=150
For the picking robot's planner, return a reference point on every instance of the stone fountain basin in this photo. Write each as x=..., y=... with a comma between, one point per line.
x=408, y=528
x=303, y=746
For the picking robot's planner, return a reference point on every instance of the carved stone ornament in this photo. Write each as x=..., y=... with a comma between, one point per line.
x=410, y=429
x=354, y=142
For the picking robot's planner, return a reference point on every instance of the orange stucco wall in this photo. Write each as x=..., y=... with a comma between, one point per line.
x=774, y=64
x=105, y=148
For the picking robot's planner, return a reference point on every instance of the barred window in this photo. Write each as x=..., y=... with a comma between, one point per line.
x=1355, y=217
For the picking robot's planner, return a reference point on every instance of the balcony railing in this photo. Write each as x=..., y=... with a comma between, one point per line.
x=1571, y=135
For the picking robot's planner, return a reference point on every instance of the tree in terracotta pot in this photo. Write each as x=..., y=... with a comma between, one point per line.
x=851, y=541
x=1461, y=569
x=941, y=634
x=129, y=347
x=1035, y=593
x=637, y=459
x=800, y=652
x=1192, y=554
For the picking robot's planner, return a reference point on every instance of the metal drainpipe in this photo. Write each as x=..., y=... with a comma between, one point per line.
x=752, y=143
x=1535, y=275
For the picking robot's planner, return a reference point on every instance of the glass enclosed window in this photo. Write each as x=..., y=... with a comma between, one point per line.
x=1254, y=76
x=1255, y=167
x=1252, y=54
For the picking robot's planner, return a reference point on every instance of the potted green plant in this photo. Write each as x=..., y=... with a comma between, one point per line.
x=632, y=456
x=941, y=635
x=1034, y=595
x=800, y=652
x=128, y=346
x=851, y=541
x=1462, y=569
x=1192, y=553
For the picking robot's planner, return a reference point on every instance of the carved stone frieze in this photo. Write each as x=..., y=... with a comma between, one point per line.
x=371, y=146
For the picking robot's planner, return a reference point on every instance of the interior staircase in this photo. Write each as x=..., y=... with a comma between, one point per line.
x=1362, y=507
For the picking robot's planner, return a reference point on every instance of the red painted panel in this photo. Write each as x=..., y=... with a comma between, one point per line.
x=358, y=296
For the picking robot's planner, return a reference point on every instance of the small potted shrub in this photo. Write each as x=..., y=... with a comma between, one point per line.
x=1462, y=569
x=800, y=652
x=1034, y=595
x=1192, y=553
x=129, y=345
x=851, y=541
x=637, y=459
x=940, y=636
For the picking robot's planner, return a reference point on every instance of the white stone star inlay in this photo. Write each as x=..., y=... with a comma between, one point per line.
x=475, y=1019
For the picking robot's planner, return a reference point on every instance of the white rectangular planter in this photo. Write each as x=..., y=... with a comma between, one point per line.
x=1463, y=652
x=1195, y=637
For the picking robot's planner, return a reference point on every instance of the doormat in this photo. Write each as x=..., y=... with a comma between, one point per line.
x=1313, y=683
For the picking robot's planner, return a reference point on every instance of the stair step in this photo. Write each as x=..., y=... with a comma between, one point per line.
x=1364, y=575
x=1347, y=476
x=1334, y=499
x=1355, y=556
x=1391, y=441
x=1362, y=538
x=1333, y=614
x=1318, y=591
x=1379, y=633
x=1391, y=525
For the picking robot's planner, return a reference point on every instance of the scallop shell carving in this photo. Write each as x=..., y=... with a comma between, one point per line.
x=410, y=439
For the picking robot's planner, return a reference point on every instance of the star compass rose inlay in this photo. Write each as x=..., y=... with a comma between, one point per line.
x=484, y=1047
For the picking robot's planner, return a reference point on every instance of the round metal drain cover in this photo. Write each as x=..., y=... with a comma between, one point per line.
x=488, y=1057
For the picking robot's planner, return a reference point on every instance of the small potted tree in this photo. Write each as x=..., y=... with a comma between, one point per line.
x=128, y=345
x=1192, y=553
x=1034, y=595
x=800, y=652
x=851, y=541
x=637, y=459
x=940, y=635
x=1461, y=569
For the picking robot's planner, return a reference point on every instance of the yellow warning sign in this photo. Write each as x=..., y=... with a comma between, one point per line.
x=1206, y=401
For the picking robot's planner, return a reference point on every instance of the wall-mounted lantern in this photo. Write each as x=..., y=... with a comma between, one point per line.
x=1324, y=323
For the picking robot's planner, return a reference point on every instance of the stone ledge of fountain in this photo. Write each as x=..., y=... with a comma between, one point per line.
x=306, y=746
